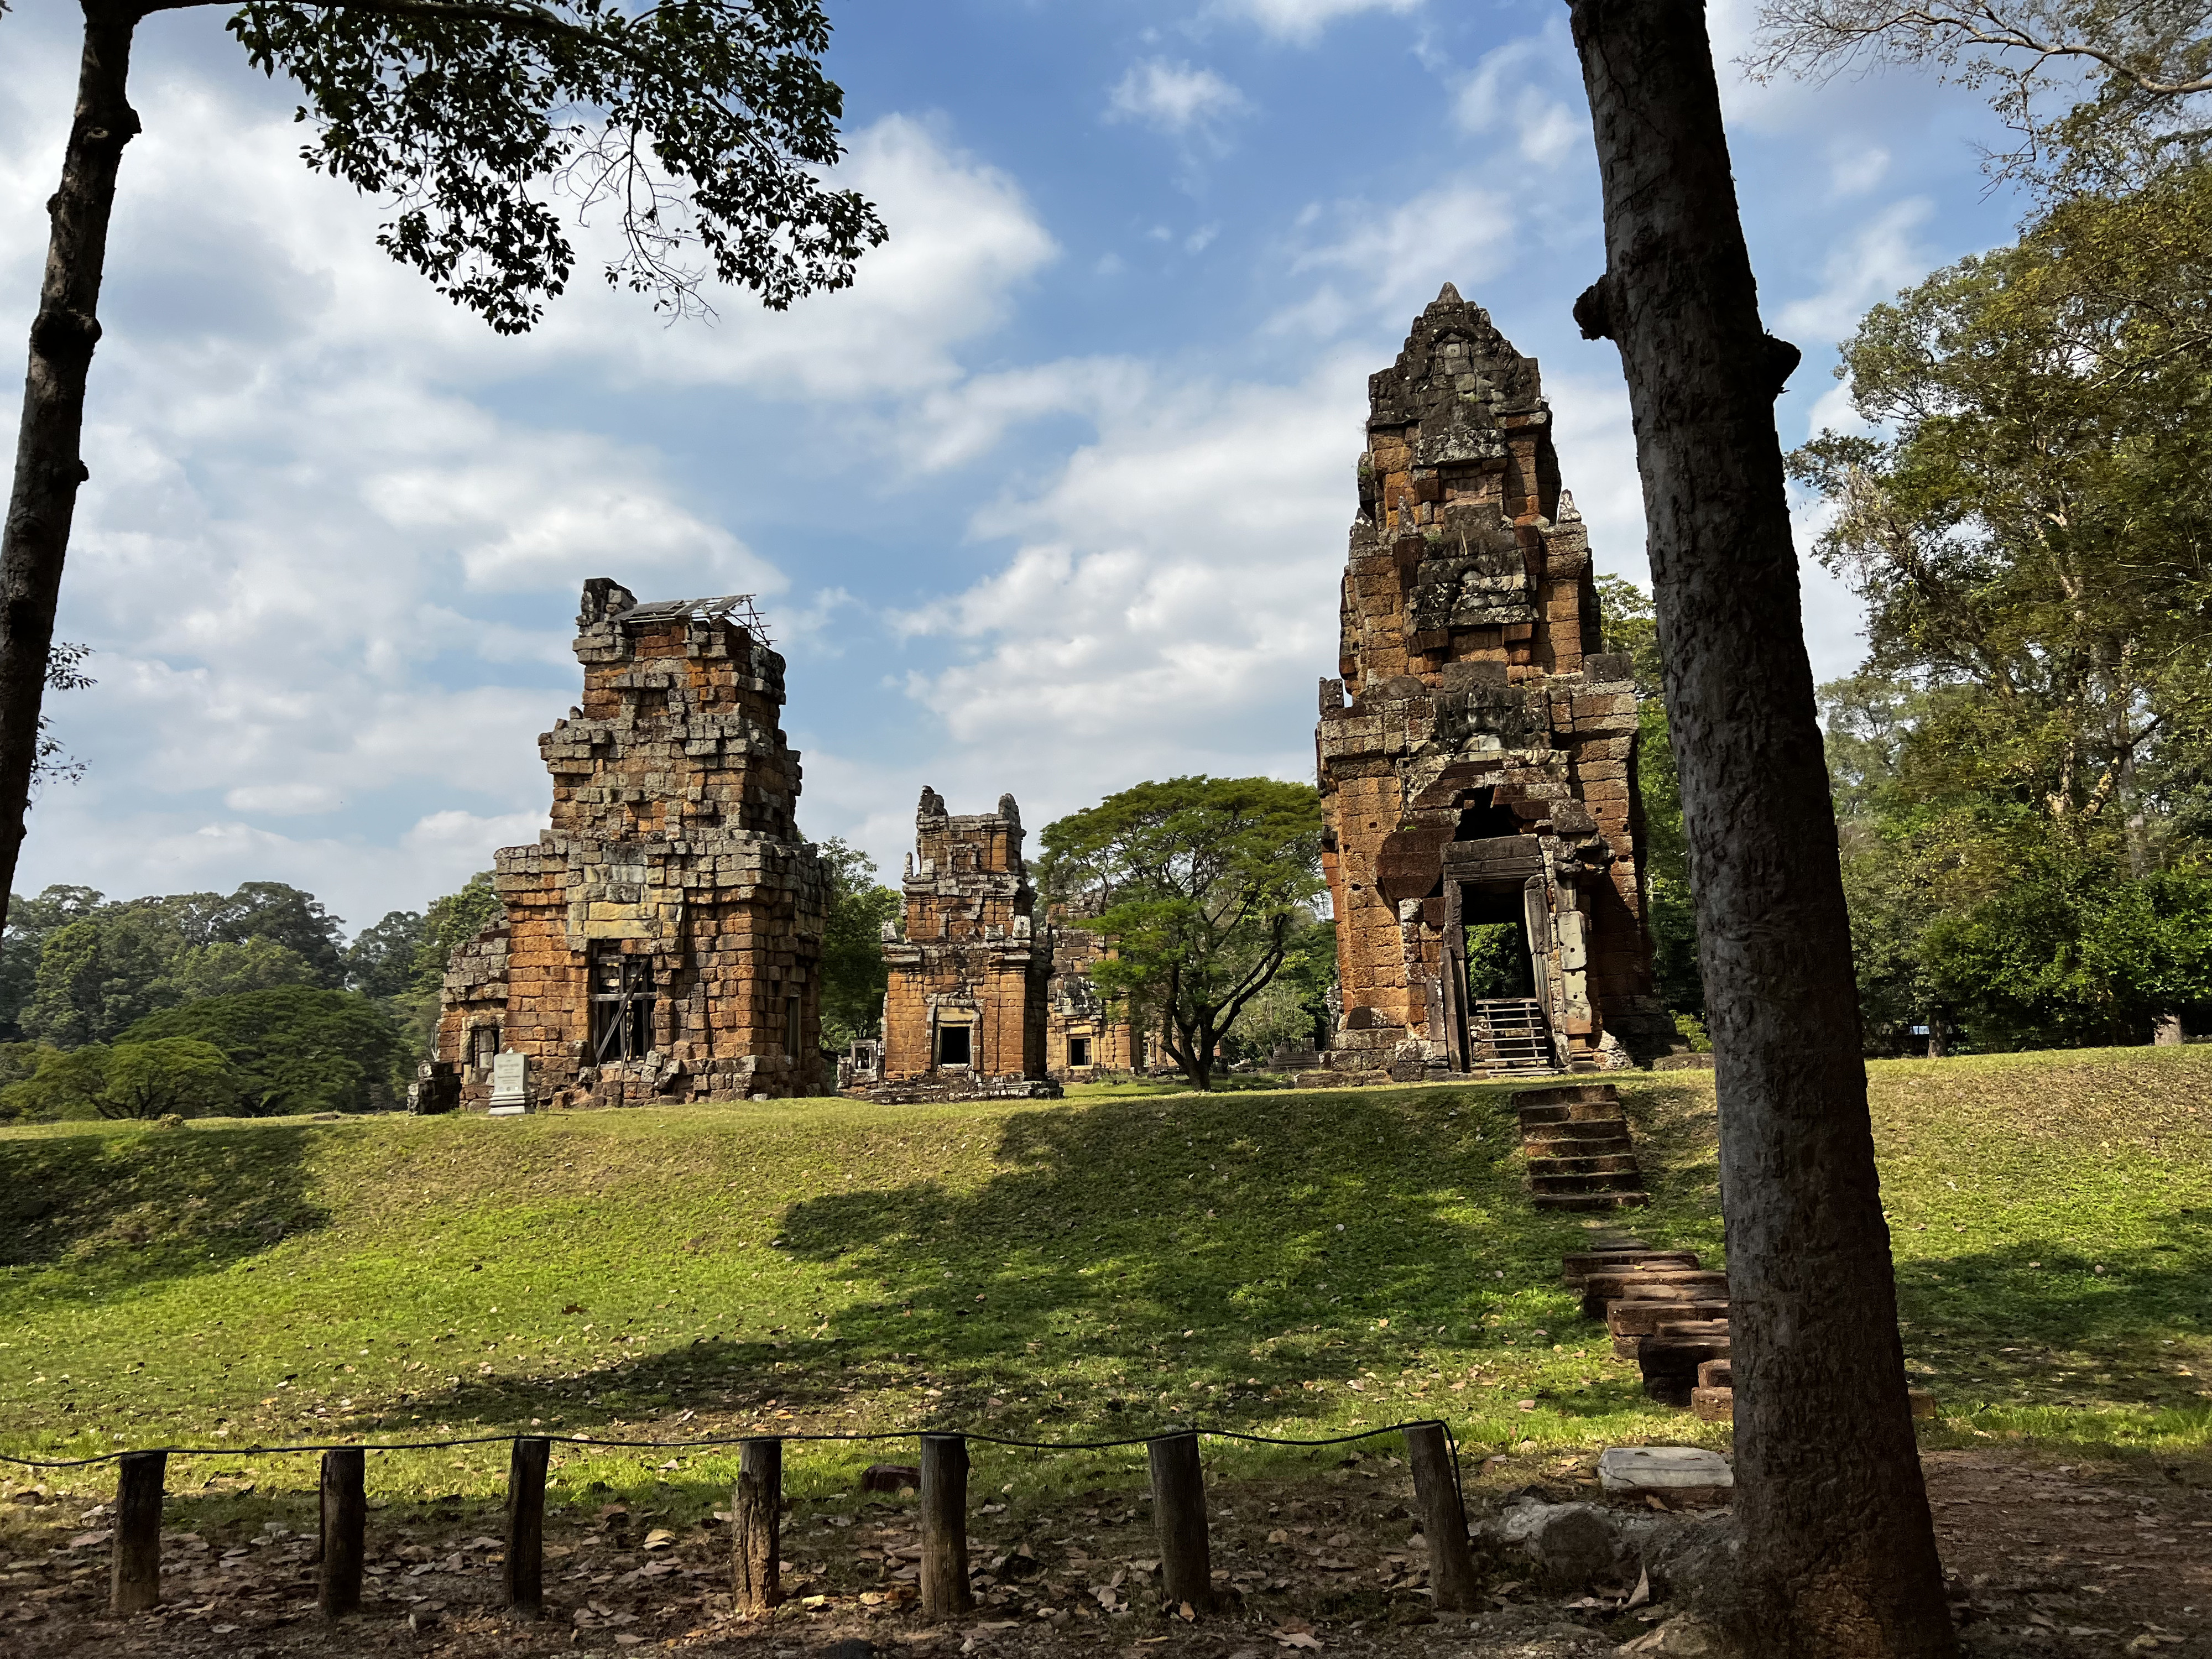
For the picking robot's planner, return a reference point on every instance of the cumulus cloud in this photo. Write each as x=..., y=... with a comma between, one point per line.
x=1301, y=22
x=1387, y=263
x=327, y=557
x=1872, y=264
x=1171, y=592
x=1175, y=98
x=1505, y=92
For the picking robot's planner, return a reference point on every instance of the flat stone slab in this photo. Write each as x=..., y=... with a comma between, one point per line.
x=1663, y=1469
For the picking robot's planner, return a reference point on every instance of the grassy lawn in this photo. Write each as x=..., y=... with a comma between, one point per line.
x=1302, y=1262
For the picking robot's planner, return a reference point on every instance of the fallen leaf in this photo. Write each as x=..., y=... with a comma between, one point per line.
x=1641, y=1594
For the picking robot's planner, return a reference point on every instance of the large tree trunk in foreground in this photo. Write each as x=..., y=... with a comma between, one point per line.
x=1838, y=1554
x=48, y=467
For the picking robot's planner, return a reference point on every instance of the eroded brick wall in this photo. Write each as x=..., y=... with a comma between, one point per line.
x=673, y=841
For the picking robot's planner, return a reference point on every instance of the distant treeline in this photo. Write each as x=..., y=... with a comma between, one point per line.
x=194, y=1003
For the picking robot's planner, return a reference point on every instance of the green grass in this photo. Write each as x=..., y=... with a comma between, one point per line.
x=1300, y=1262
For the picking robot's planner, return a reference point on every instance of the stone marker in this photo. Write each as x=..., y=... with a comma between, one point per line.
x=510, y=1083
x=1681, y=1474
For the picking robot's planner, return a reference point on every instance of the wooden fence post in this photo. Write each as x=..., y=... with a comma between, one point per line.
x=1443, y=1517
x=345, y=1519
x=1179, y=1515
x=756, y=1508
x=136, y=1584
x=525, y=1525
x=944, y=1591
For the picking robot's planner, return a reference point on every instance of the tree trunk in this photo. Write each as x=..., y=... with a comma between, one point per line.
x=48, y=467
x=1839, y=1552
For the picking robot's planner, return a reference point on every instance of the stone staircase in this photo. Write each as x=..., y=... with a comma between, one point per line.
x=1666, y=1312
x=1580, y=1157
x=1508, y=1036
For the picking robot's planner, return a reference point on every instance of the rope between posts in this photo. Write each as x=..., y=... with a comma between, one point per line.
x=731, y=1440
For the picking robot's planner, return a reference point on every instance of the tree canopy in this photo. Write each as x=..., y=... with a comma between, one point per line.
x=296, y=1049
x=2023, y=767
x=1203, y=884
x=853, y=973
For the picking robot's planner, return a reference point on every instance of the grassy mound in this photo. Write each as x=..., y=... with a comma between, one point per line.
x=1291, y=1263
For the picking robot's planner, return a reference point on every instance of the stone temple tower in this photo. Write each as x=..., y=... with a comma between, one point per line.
x=663, y=938
x=1477, y=753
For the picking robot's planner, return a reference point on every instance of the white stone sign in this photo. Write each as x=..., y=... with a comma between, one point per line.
x=510, y=1083
x=1664, y=1469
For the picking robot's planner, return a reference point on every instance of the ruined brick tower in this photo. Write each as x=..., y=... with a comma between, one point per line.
x=1477, y=757
x=662, y=938
x=966, y=1011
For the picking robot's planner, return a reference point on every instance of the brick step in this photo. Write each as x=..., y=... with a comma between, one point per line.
x=1638, y=1284
x=1588, y=1201
x=1585, y=1164
x=1568, y=1094
x=1589, y=1128
x=1630, y=1322
x=1615, y=1181
x=1576, y=1264
x=1589, y=1111
x=1670, y=1356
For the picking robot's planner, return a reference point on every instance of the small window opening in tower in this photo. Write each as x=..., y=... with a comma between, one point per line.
x=953, y=1045
x=485, y=1045
x=1079, y=1051
x=621, y=999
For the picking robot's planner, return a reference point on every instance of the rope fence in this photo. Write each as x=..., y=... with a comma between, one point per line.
x=1179, y=1514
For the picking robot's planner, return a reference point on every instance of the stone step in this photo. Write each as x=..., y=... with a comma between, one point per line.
x=1715, y=1374
x=1588, y=1201
x=1618, y=1284
x=1569, y=1094
x=1670, y=1356
x=1585, y=1164
x=1589, y=1111
x=1577, y=1264
x=1612, y=1180
x=1611, y=1130
x=1630, y=1321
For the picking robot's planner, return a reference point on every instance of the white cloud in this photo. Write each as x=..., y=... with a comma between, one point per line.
x=1503, y=92
x=1172, y=593
x=1882, y=256
x=1394, y=261
x=1174, y=98
x=1856, y=166
x=1301, y=21
x=956, y=425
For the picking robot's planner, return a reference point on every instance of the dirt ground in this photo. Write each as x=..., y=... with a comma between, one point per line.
x=2109, y=1558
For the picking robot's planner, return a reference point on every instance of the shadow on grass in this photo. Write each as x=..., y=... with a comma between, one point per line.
x=1134, y=1263
x=128, y=1207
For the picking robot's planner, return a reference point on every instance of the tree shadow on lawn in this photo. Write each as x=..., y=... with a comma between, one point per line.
x=2147, y=1312
x=123, y=1208
x=1129, y=1264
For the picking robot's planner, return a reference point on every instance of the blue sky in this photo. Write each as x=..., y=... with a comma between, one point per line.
x=1053, y=501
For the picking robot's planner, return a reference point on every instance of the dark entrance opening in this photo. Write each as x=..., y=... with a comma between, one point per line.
x=1495, y=924
x=1079, y=1051
x=1481, y=818
x=622, y=998
x=953, y=1045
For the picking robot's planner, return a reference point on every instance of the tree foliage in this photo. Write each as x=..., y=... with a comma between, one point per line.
x=1203, y=885
x=2095, y=92
x=1631, y=628
x=853, y=973
x=448, y=924
x=698, y=127
x=2021, y=766
x=296, y=1049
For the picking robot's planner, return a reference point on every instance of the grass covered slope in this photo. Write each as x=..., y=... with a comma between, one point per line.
x=1300, y=1262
